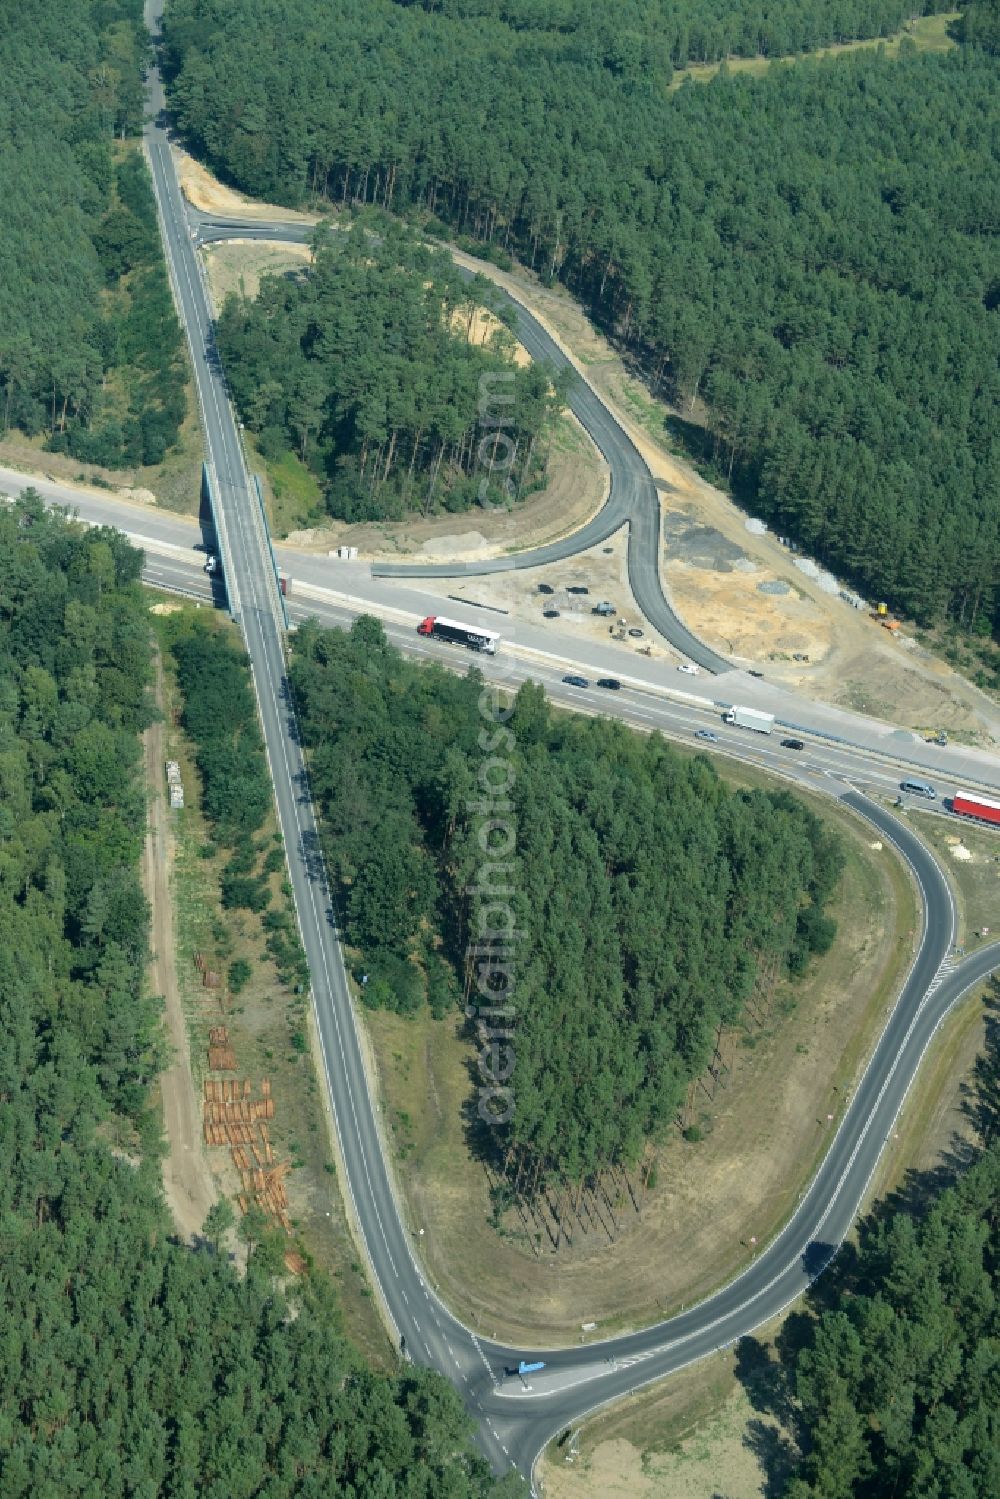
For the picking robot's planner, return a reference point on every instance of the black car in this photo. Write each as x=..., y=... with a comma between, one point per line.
x=792, y=744
x=611, y=683
x=576, y=681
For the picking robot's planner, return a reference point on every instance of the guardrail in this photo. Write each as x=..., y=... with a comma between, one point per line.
x=270, y=546
x=211, y=491
x=885, y=753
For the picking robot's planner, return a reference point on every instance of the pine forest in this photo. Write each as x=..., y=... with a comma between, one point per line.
x=649, y=895
x=91, y=353
x=132, y=1363
x=806, y=261
x=364, y=366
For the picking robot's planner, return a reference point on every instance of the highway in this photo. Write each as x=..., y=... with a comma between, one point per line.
x=342, y=590
x=641, y=704
x=513, y=1423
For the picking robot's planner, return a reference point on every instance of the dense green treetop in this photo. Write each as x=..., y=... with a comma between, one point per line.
x=219, y=714
x=980, y=25
x=808, y=259
x=365, y=367
x=90, y=347
x=896, y=1386
x=129, y=1363
x=648, y=894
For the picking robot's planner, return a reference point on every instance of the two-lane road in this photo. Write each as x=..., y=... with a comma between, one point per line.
x=514, y=1424
x=632, y=497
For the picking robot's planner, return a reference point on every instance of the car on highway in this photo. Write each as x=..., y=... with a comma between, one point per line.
x=576, y=681
x=690, y=668
x=708, y=734
x=611, y=683
x=919, y=788
x=792, y=744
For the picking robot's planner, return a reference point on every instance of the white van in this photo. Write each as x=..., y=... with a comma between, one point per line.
x=919, y=788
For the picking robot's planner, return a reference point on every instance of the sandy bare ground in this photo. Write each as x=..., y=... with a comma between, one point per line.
x=714, y=1461
x=22, y=461
x=576, y=489
x=187, y=1180
x=211, y=196
x=851, y=661
x=238, y=267
x=576, y=483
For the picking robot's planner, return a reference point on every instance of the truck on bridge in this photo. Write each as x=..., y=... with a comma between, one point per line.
x=749, y=718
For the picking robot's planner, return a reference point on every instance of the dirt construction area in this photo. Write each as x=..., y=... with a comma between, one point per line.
x=758, y=605
x=714, y=1460
x=567, y=593
x=743, y=592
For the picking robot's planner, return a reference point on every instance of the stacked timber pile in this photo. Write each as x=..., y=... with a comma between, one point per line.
x=233, y=1117
x=267, y=1190
x=231, y=1114
x=221, y=1057
x=209, y=978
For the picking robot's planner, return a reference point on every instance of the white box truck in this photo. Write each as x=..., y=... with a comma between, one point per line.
x=750, y=718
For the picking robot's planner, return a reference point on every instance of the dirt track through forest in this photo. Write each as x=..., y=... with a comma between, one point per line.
x=187, y=1180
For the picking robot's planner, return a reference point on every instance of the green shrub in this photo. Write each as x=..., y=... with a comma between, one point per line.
x=239, y=975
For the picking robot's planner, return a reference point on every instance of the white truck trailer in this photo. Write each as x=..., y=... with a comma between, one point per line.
x=750, y=718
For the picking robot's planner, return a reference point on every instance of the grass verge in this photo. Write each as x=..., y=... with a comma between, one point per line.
x=971, y=856
x=686, y=1438
x=292, y=493
x=927, y=34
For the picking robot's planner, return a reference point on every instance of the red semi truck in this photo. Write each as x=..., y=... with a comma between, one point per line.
x=982, y=808
x=455, y=633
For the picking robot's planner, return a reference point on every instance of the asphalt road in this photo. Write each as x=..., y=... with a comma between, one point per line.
x=632, y=497
x=514, y=1423
x=518, y=1422
x=641, y=704
x=326, y=583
